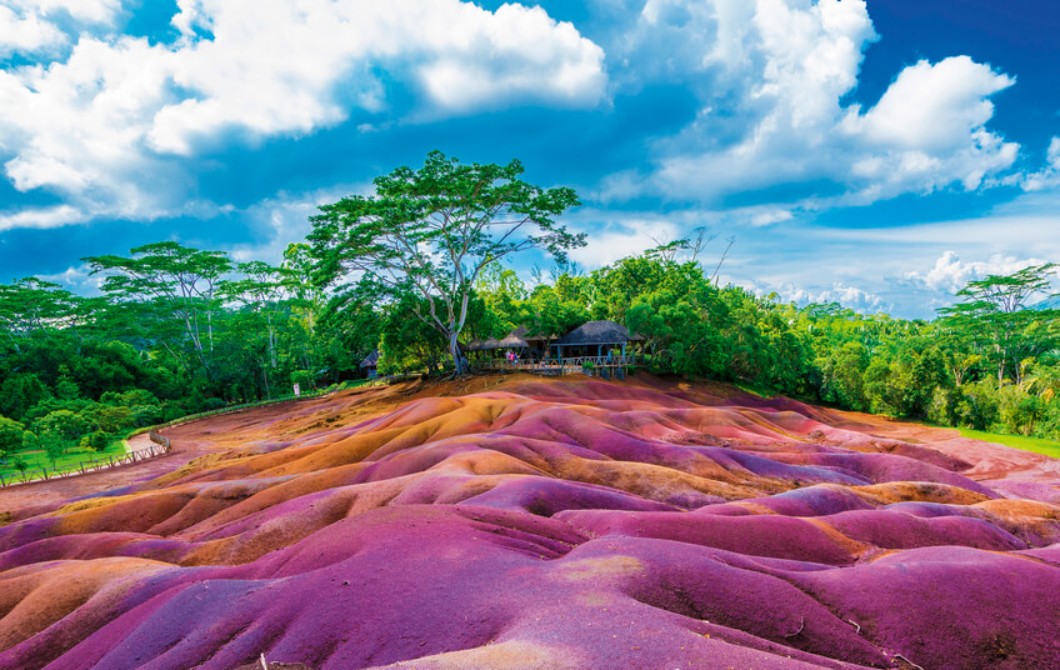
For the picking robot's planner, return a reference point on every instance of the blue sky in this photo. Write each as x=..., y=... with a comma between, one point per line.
x=880, y=154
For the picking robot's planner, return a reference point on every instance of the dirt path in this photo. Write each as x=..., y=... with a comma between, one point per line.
x=137, y=443
x=190, y=441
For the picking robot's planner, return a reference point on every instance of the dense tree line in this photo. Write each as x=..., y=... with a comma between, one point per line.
x=176, y=331
x=179, y=330
x=416, y=273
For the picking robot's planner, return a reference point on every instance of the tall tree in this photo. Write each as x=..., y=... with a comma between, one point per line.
x=173, y=279
x=997, y=307
x=31, y=304
x=430, y=232
x=260, y=289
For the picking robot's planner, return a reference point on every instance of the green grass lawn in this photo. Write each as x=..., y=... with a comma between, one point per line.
x=71, y=460
x=1035, y=444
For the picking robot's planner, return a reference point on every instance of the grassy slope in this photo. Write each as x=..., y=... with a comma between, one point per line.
x=38, y=459
x=1035, y=444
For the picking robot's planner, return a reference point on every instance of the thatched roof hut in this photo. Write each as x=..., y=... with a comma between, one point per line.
x=371, y=360
x=523, y=333
x=513, y=341
x=488, y=344
x=517, y=339
x=597, y=333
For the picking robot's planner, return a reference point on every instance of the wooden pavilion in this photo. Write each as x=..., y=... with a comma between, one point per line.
x=601, y=348
x=370, y=365
x=598, y=339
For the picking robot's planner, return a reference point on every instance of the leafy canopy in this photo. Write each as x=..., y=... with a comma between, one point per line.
x=431, y=232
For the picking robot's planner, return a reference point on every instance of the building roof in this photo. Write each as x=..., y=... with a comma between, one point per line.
x=517, y=339
x=371, y=360
x=484, y=345
x=523, y=333
x=597, y=332
x=514, y=341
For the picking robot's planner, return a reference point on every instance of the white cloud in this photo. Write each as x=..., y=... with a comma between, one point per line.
x=772, y=79
x=950, y=274
x=770, y=216
x=90, y=12
x=929, y=130
x=852, y=297
x=41, y=218
x=614, y=241
x=26, y=32
x=1049, y=176
x=461, y=57
x=29, y=26
x=109, y=128
x=77, y=279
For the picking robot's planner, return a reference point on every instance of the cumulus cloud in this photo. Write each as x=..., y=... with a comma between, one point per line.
x=29, y=26
x=86, y=12
x=110, y=127
x=616, y=240
x=41, y=218
x=950, y=274
x=1049, y=176
x=773, y=79
x=78, y=279
x=26, y=32
x=846, y=295
x=769, y=216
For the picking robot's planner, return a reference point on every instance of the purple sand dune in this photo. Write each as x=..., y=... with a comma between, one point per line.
x=547, y=525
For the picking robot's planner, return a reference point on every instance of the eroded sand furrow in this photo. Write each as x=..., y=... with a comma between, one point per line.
x=530, y=523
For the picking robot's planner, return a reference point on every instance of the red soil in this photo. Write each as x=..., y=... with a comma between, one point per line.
x=527, y=523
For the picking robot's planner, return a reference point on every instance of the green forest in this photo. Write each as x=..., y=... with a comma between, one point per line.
x=425, y=266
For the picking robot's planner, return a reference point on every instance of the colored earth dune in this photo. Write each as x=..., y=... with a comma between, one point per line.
x=528, y=523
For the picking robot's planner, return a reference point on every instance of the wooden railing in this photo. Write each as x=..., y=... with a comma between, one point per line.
x=162, y=446
x=574, y=364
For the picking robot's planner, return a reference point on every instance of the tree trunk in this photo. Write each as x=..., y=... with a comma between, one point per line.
x=272, y=341
x=459, y=365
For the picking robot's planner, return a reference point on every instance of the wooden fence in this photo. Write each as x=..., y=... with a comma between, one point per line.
x=162, y=446
x=594, y=366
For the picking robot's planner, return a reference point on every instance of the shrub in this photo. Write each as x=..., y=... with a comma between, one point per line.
x=112, y=419
x=97, y=441
x=304, y=379
x=942, y=408
x=212, y=404
x=146, y=415
x=11, y=436
x=62, y=427
x=978, y=405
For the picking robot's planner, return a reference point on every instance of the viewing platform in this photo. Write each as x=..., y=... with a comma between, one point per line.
x=605, y=367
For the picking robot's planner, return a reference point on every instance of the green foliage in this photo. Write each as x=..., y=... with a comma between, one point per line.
x=212, y=404
x=97, y=440
x=143, y=416
x=11, y=436
x=978, y=406
x=430, y=233
x=20, y=392
x=61, y=429
x=408, y=344
x=111, y=419
x=843, y=375
x=417, y=270
x=304, y=379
